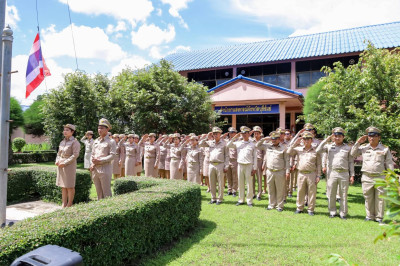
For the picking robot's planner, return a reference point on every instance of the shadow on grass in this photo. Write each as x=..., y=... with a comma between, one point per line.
x=169, y=253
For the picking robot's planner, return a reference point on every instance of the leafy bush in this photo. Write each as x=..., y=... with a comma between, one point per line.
x=34, y=118
x=124, y=185
x=34, y=157
x=113, y=231
x=26, y=182
x=29, y=147
x=18, y=144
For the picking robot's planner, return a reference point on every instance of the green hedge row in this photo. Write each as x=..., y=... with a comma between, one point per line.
x=23, y=183
x=34, y=157
x=113, y=231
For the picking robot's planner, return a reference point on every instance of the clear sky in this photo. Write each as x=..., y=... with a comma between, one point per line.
x=112, y=34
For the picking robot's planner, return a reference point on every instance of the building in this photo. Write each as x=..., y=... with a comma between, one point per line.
x=264, y=83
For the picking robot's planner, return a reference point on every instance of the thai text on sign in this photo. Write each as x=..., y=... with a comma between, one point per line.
x=248, y=109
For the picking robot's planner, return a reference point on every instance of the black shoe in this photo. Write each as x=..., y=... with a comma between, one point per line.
x=332, y=216
x=379, y=221
x=343, y=217
x=306, y=204
x=297, y=212
x=284, y=201
x=290, y=195
x=311, y=213
x=212, y=202
x=258, y=198
x=229, y=193
x=250, y=205
x=254, y=197
x=367, y=219
x=218, y=202
x=338, y=200
x=234, y=194
x=279, y=210
x=238, y=203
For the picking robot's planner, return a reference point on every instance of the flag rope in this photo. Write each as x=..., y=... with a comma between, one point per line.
x=72, y=33
x=38, y=29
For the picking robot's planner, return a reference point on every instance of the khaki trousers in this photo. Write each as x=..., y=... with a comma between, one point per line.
x=259, y=175
x=244, y=175
x=232, y=176
x=193, y=173
x=216, y=173
x=174, y=169
x=374, y=205
x=149, y=169
x=306, y=186
x=337, y=184
x=102, y=182
x=276, y=188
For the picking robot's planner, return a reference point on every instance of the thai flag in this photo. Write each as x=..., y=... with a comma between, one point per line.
x=36, y=69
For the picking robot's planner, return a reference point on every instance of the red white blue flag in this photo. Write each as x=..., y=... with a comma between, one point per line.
x=36, y=69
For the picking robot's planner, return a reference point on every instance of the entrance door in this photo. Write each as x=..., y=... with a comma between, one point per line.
x=267, y=122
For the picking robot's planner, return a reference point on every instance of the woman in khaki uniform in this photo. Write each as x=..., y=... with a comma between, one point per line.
x=139, y=167
x=151, y=155
x=194, y=160
x=132, y=156
x=168, y=157
x=163, y=156
x=206, y=162
x=176, y=164
x=67, y=154
x=88, y=141
x=122, y=141
x=117, y=163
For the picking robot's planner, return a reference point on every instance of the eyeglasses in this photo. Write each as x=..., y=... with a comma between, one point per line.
x=373, y=135
x=287, y=134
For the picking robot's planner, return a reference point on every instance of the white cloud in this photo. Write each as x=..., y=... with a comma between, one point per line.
x=159, y=12
x=156, y=51
x=121, y=26
x=175, y=7
x=134, y=62
x=310, y=16
x=132, y=11
x=12, y=16
x=18, y=80
x=246, y=39
x=91, y=43
x=149, y=35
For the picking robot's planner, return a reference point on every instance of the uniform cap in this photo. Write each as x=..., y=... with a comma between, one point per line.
x=244, y=129
x=104, y=122
x=338, y=130
x=136, y=136
x=193, y=137
x=275, y=135
x=192, y=134
x=152, y=135
x=176, y=135
x=70, y=126
x=308, y=126
x=116, y=136
x=121, y=136
x=232, y=129
x=89, y=132
x=372, y=130
x=307, y=135
x=131, y=136
x=257, y=128
x=280, y=130
x=171, y=135
x=216, y=130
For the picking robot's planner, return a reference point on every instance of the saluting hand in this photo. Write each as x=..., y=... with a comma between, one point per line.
x=224, y=136
x=362, y=139
x=332, y=137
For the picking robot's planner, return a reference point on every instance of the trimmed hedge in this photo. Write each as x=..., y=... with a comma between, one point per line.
x=23, y=183
x=112, y=231
x=34, y=157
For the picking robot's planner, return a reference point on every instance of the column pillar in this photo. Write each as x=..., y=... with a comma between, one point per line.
x=234, y=121
x=234, y=72
x=282, y=114
x=293, y=75
x=292, y=120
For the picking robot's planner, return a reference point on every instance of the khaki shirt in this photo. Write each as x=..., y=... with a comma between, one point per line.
x=194, y=156
x=104, y=149
x=246, y=150
x=218, y=152
x=260, y=152
x=132, y=150
x=308, y=160
x=375, y=161
x=337, y=157
x=88, y=144
x=232, y=157
x=175, y=152
x=276, y=157
x=151, y=151
x=163, y=156
x=68, y=151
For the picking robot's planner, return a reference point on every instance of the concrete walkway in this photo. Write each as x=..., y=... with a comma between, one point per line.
x=20, y=211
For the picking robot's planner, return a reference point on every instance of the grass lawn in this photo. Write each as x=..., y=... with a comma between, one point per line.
x=238, y=235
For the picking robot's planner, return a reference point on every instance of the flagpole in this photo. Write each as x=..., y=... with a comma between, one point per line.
x=2, y=25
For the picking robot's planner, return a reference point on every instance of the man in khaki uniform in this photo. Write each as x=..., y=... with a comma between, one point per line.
x=278, y=169
x=260, y=156
x=340, y=170
x=232, y=174
x=309, y=166
x=219, y=162
x=376, y=159
x=103, y=153
x=247, y=164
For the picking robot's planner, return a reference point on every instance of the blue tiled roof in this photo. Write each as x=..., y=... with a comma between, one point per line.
x=255, y=81
x=320, y=44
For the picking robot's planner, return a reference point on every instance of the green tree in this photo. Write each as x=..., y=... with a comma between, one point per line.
x=34, y=118
x=15, y=115
x=364, y=94
x=311, y=102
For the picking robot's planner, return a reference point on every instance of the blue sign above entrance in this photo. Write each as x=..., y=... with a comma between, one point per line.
x=248, y=109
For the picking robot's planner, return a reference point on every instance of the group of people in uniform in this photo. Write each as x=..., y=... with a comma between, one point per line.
x=285, y=163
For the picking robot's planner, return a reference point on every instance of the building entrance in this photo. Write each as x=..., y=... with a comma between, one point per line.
x=268, y=122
